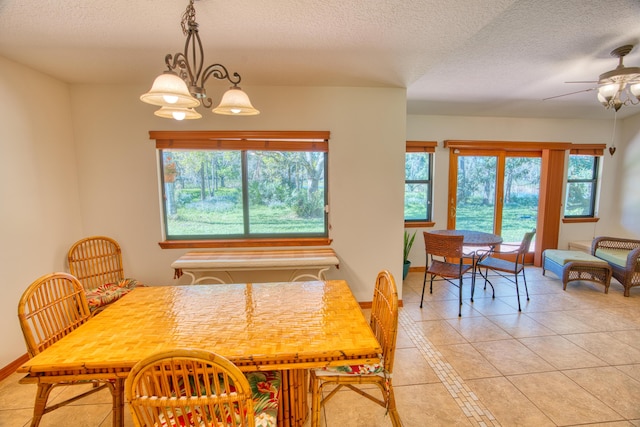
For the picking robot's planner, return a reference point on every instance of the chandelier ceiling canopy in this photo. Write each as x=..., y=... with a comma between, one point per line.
x=181, y=88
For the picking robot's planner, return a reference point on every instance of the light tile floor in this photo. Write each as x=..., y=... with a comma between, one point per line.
x=570, y=358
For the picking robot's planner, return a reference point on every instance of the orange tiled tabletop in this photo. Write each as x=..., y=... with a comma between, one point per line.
x=262, y=326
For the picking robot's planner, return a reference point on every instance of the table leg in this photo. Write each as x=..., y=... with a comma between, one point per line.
x=118, y=402
x=293, y=409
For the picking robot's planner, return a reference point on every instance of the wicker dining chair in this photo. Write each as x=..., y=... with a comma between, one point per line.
x=384, y=324
x=97, y=263
x=190, y=387
x=50, y=308
x=506, y=263
x=445, y=259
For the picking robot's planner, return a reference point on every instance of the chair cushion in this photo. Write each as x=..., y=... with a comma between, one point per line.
x=265, y=388
x=110, y=292
x=447, y=269
x=614, y=256
x=376, y=368
x=562, y=257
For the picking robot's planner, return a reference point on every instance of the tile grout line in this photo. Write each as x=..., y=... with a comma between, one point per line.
x=466, y=399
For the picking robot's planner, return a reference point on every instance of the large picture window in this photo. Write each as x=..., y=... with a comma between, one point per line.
x=582, y=183
x=228, y=185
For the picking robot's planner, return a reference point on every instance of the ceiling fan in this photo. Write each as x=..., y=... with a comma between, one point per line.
x=618, y=87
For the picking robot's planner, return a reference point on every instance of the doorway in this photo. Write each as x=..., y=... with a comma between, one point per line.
x=494, y=191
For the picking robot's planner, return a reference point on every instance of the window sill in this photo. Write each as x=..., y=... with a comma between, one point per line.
x=418, y=224
x=579, y=220
x=243, y=243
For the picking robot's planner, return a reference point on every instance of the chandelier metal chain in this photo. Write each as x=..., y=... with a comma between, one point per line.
x=189, y=63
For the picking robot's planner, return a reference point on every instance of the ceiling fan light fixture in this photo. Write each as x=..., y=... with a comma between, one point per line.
x=620, y=86
x=635, y=90
x=602, y=100
x=608, y=91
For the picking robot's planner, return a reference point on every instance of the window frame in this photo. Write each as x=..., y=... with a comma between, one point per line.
x=596, y=152
x=243, y=141
x=428, y=147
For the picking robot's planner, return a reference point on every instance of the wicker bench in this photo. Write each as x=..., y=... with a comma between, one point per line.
x=576, y=265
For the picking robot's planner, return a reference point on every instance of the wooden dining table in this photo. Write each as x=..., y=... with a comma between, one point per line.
x=287, y=326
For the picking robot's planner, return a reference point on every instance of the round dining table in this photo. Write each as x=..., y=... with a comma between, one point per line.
x=472, y=238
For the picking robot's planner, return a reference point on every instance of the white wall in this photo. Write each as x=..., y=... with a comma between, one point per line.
x=611, y=201
x=39, y=203
x=628, y=185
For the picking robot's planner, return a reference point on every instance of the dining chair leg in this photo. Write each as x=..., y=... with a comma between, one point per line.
x=393, y=411
x=524, y=279
x=460, y=298
x=518, y=292
x=424, y=284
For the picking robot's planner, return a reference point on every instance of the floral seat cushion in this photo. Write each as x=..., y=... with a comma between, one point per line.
x=265, y=390
x=109, y=292
x=374, y=369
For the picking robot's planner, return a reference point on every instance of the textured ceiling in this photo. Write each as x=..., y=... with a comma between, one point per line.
x=462, y=57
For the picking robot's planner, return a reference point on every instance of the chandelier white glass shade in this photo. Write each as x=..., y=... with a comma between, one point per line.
x=620, y=86
x=181, y=87
x=178, y=113
x=235, y=102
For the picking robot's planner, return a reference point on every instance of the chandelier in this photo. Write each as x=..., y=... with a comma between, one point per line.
x=620, y=86
x=181, y=87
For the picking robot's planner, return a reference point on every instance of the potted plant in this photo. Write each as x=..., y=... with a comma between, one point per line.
x=408, y=242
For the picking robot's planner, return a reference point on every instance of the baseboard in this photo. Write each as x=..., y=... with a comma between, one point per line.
x=11, y=367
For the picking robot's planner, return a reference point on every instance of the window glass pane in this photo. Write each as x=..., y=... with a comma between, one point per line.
x=202, y=193
x=205, y=191
x=475, y=208
x=416, y=198
x=417, y=195
x=416, y=166
x=520, y=197
x=286, y=192
x=581, y=186
x=581, y=167
x=579, y=199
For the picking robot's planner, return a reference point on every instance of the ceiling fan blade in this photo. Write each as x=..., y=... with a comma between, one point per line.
x=570, y=93
x=583, y=81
